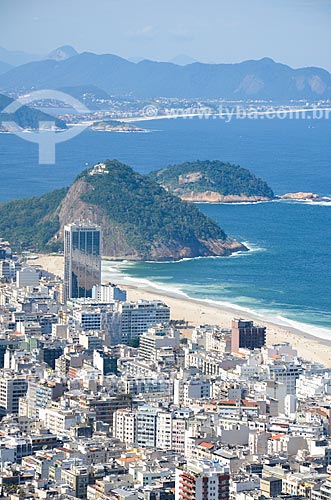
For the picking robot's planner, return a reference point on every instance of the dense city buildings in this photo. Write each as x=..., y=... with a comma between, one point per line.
x=102, y=397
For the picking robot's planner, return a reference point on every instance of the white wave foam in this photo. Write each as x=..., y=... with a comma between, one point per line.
x=252, y=247
x=234, y=202
x=264, y=315
x=325, y=202
x=315, y=331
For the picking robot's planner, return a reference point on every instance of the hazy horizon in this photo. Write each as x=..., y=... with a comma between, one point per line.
x=292, y=32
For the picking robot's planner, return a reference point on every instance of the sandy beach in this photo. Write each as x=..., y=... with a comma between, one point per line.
x=198, y=313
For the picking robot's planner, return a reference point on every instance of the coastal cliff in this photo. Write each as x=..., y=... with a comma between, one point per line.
x=140, y=220
x=214, y=197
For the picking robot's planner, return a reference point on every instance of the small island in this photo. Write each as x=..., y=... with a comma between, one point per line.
x=213, y=182
x=114, y=126
x=304, y=196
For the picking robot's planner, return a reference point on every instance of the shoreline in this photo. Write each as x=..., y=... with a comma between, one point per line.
x=203, y=311
x=226, y=116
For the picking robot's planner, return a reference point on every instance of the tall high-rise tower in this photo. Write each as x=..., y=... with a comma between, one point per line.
x=82, y=259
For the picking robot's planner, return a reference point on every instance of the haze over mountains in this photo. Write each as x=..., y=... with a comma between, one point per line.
x=261, y=79
x=4, y=67
x=16, y=57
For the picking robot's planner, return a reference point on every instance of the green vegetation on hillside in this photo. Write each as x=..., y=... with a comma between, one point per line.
x=216, y=176
x=148, y=213
x=139, y=218
x=31, y=223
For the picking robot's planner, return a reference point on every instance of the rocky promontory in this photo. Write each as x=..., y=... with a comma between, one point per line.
x=140, y=220
x=214, y=197
x=300, y=195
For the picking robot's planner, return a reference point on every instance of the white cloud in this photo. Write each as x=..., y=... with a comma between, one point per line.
x=147, y=31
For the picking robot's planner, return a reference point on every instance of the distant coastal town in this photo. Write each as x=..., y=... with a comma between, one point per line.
x=112, y=392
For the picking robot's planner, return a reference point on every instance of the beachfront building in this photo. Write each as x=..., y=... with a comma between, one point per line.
x=82, y=259
x=108, y=292
x=137, y=317
x=122, y=321
x=245, y=335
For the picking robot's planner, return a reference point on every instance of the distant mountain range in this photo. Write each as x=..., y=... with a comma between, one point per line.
x=62, y=53
x=183, y=60
x=262, y=79
x=180, y=59
x=17, y=57
x=4, y=67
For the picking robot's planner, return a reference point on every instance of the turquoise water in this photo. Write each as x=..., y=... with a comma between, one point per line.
x=288, y=272
x=285, y=276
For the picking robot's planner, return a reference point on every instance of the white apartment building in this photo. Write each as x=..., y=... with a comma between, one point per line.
x=146, y=427
x=8, y=269
x=89, y=319
x=179, y=424
x=59, y=420
x=108, y=292
x=258, y=442
x=90, y=341
x=149, y=425
x=12, y=388
x=137, y=317
x=186, y=391
x=125, y=426
x=120, y=321
x=202, y=480
x=27, y=277
x=164, y=430
x=157, y=339
x=313, y=386
x=286, y=373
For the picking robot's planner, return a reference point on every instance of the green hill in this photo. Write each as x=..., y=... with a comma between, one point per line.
x=212, y=181
x=139, y=219
x=26, y=117
x=30, y=223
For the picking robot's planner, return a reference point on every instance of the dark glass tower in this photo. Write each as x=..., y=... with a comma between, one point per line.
x=82, y=259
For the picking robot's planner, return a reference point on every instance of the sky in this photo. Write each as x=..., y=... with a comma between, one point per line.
x=295, y=32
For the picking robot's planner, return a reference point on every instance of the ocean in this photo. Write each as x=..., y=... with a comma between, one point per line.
x=287, y=274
